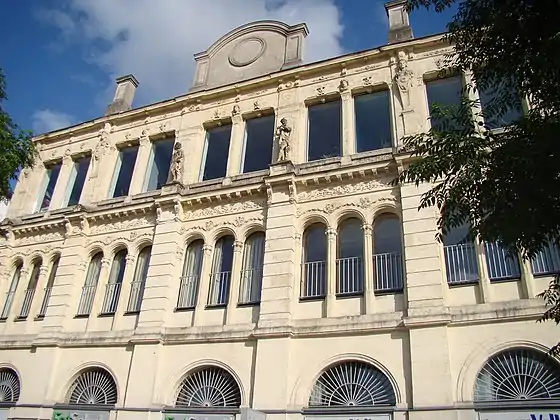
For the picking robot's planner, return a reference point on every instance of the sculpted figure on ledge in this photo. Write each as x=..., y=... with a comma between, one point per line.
x=282, y=135
x=177, y=163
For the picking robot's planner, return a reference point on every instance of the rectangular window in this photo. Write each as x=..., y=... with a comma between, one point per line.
x=494, y=116
x=259, y=136
x=77, y=180
x=373, y=121
x=217, y=151
x=324, y=131
x=123, y=171
x=160, y=164
x=445, y=92
x=50, y=183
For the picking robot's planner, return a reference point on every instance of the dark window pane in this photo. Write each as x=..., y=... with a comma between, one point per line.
x=445, y=92
x=159, y=174
x=491, y=110
x=227, y=253
x=387, y=235
x=81, y=167
x=324, y=131
x=457, y=235
x=52, y=176
x=315, y=243
x=217, y=151
x=373, y=121
x=350, y=239
x=258, y=147
x=128, y=159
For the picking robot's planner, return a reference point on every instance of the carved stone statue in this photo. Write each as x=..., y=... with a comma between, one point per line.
x=404, y=79
x=177, y=163
x=282, y=135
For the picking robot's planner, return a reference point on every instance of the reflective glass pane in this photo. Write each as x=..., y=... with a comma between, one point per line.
x=52, y=176
x=81, y=167
x=217, y=151
x=444, y=92
x=373, y=121
x=162, y=151
x=128, y=159
x=324, y=131
x=258, y=146
x=491, y=111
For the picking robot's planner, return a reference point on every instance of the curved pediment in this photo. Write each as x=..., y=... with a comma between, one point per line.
x=251, y=50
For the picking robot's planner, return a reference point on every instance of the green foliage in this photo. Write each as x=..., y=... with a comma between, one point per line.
x=16, y=148
x=505, y=184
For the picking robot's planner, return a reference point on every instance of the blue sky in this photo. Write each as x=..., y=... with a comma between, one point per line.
x=61, y=57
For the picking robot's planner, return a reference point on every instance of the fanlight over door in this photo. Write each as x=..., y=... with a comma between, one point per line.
x=9, y=386
x=94, y=387
x=209, y=387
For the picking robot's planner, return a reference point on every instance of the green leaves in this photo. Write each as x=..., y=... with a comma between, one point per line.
x=16, y=147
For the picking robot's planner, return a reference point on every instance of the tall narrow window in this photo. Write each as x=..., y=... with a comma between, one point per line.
x=221, y=271
x=547, y=261
x=325, y=131
x=11, y=292
x=190, y=280
x=48, y=288
x=258, y=143
x=160, y=164
x=113, y=288
x=314, y=267
x=460, y=256
x=350, y=263
x=30, y=291
x=139, y=281
x=502, y=264
x=373, y=121
x=496, y=116
x=90, y=284
x=445, y=92
x=124, y=170
x=217, y=151
x=48, y=187
x=387, y=253
x=252, y=270
x=77, y=180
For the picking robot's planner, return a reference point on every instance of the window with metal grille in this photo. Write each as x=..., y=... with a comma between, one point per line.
x=314, y=266
x=114, y=285
x=94, y=386
x=11, y=292
x=139, y=280
x=209, y=387
x=350, y=257
x=387, y=253
x=9, y=386
x=30, y=291
x=220, y=277
x=90, y=285
x=48, y=288
x=252, y=269
x=190, y=279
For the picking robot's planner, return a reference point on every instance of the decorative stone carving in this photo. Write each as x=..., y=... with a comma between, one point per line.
x=236, y=110
x=363, y=203
x=283, y=132
x=237, y=246
x=101, y=148
x=320, y=90
x=367, y=81
x=177, y=163
x=44, y=237
x=225, y=209
x=343, y=86
x=210, y=225
x=342, y=190
x=404, y=79
x=256, y=106
x=247, y=51
x=122, y=225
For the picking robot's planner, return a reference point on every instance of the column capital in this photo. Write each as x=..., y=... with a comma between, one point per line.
x=237, y=246
x=105, y=262
x=207, y=249
x=331, y=233
x=44, y=270
x=367, y=229
x=130, y=259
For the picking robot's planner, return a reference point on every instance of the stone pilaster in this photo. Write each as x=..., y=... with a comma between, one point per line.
x=236, y=146
x=527, y=278
x=141, y=166
x=369, y=278
x=348, y=124
x=331, y=272
x=193, y=141
x=483, y=277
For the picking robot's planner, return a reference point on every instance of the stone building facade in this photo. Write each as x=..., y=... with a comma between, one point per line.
x=241, y=251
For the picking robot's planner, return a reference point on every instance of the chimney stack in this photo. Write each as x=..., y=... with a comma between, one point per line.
x=124, y=95
x=399, y=25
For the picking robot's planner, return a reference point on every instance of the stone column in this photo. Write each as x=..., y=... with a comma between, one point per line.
x=236, y=146
x=62, y=186
x=331, y=271
x=369, y=273
x=140, y=166
x=235, y=279
x=39, y=294
x=204, y=284
x=484, y=278
x=348, y=122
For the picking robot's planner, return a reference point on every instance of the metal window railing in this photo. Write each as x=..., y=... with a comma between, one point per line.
x=251, y=281
x=547, y=261
x=388, y=270
x=86, y=300
x=314, y=279
x=501, y=263
x=26, y=305
x=460, y=263
x=135, y=297
x=111, y=300
x=45, y=304
x=349, y=275
x=188, y=290
x=7, y=305
x=219, y=288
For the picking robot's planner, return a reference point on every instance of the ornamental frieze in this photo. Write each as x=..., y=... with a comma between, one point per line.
x=134, y=223
x=362, y=203
x=40, y=238
x=223, y=209
x=364, y=186
x=210, y=225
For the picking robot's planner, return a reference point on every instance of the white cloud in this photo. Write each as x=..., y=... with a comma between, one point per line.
x=156, y=40
x=46, y=120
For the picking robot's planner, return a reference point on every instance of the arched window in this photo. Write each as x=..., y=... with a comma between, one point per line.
x=352, y=384
x=252, y=269
x=387, y=253
x=221, y=271
x=90, y=285
x=48, y=288
x=113, y=287
x=30, y=291
x=314, y=267
x=9, y=386
x=518, y=374
x=11, y=292
x=139, y=280
x=94, y=386
x=209, y=387
x=350, y=261
x=190, y=280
